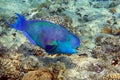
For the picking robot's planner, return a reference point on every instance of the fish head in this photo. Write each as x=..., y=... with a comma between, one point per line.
x=74, y=41
x=65, y=48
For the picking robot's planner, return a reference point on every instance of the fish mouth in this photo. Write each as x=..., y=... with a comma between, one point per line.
x=77, y=48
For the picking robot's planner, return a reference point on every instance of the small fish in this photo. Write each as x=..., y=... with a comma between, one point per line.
x=47, y=35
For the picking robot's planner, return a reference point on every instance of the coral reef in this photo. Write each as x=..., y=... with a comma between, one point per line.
x=95, y=22
x=55, y=72
x=112, y=76
x=40, y=74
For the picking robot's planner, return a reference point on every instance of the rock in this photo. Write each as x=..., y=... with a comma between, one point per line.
x=40, y=74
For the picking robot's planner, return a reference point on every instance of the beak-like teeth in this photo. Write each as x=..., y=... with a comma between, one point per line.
x=77, y=48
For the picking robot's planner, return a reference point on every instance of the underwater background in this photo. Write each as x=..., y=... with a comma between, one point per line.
x=95, y=22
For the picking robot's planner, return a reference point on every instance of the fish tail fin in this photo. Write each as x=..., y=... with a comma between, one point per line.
x=19, y=23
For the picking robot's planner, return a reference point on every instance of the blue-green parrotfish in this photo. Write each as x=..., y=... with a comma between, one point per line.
x=54, y=38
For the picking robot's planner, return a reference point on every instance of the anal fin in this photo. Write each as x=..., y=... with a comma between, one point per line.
x=29, y=38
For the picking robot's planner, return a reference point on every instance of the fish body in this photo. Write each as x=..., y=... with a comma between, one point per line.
x=49, y=36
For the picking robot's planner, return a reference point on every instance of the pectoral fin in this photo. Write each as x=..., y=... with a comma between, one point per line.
x=50, y=48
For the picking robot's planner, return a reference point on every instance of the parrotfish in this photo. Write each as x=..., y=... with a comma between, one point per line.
x=53, y=38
